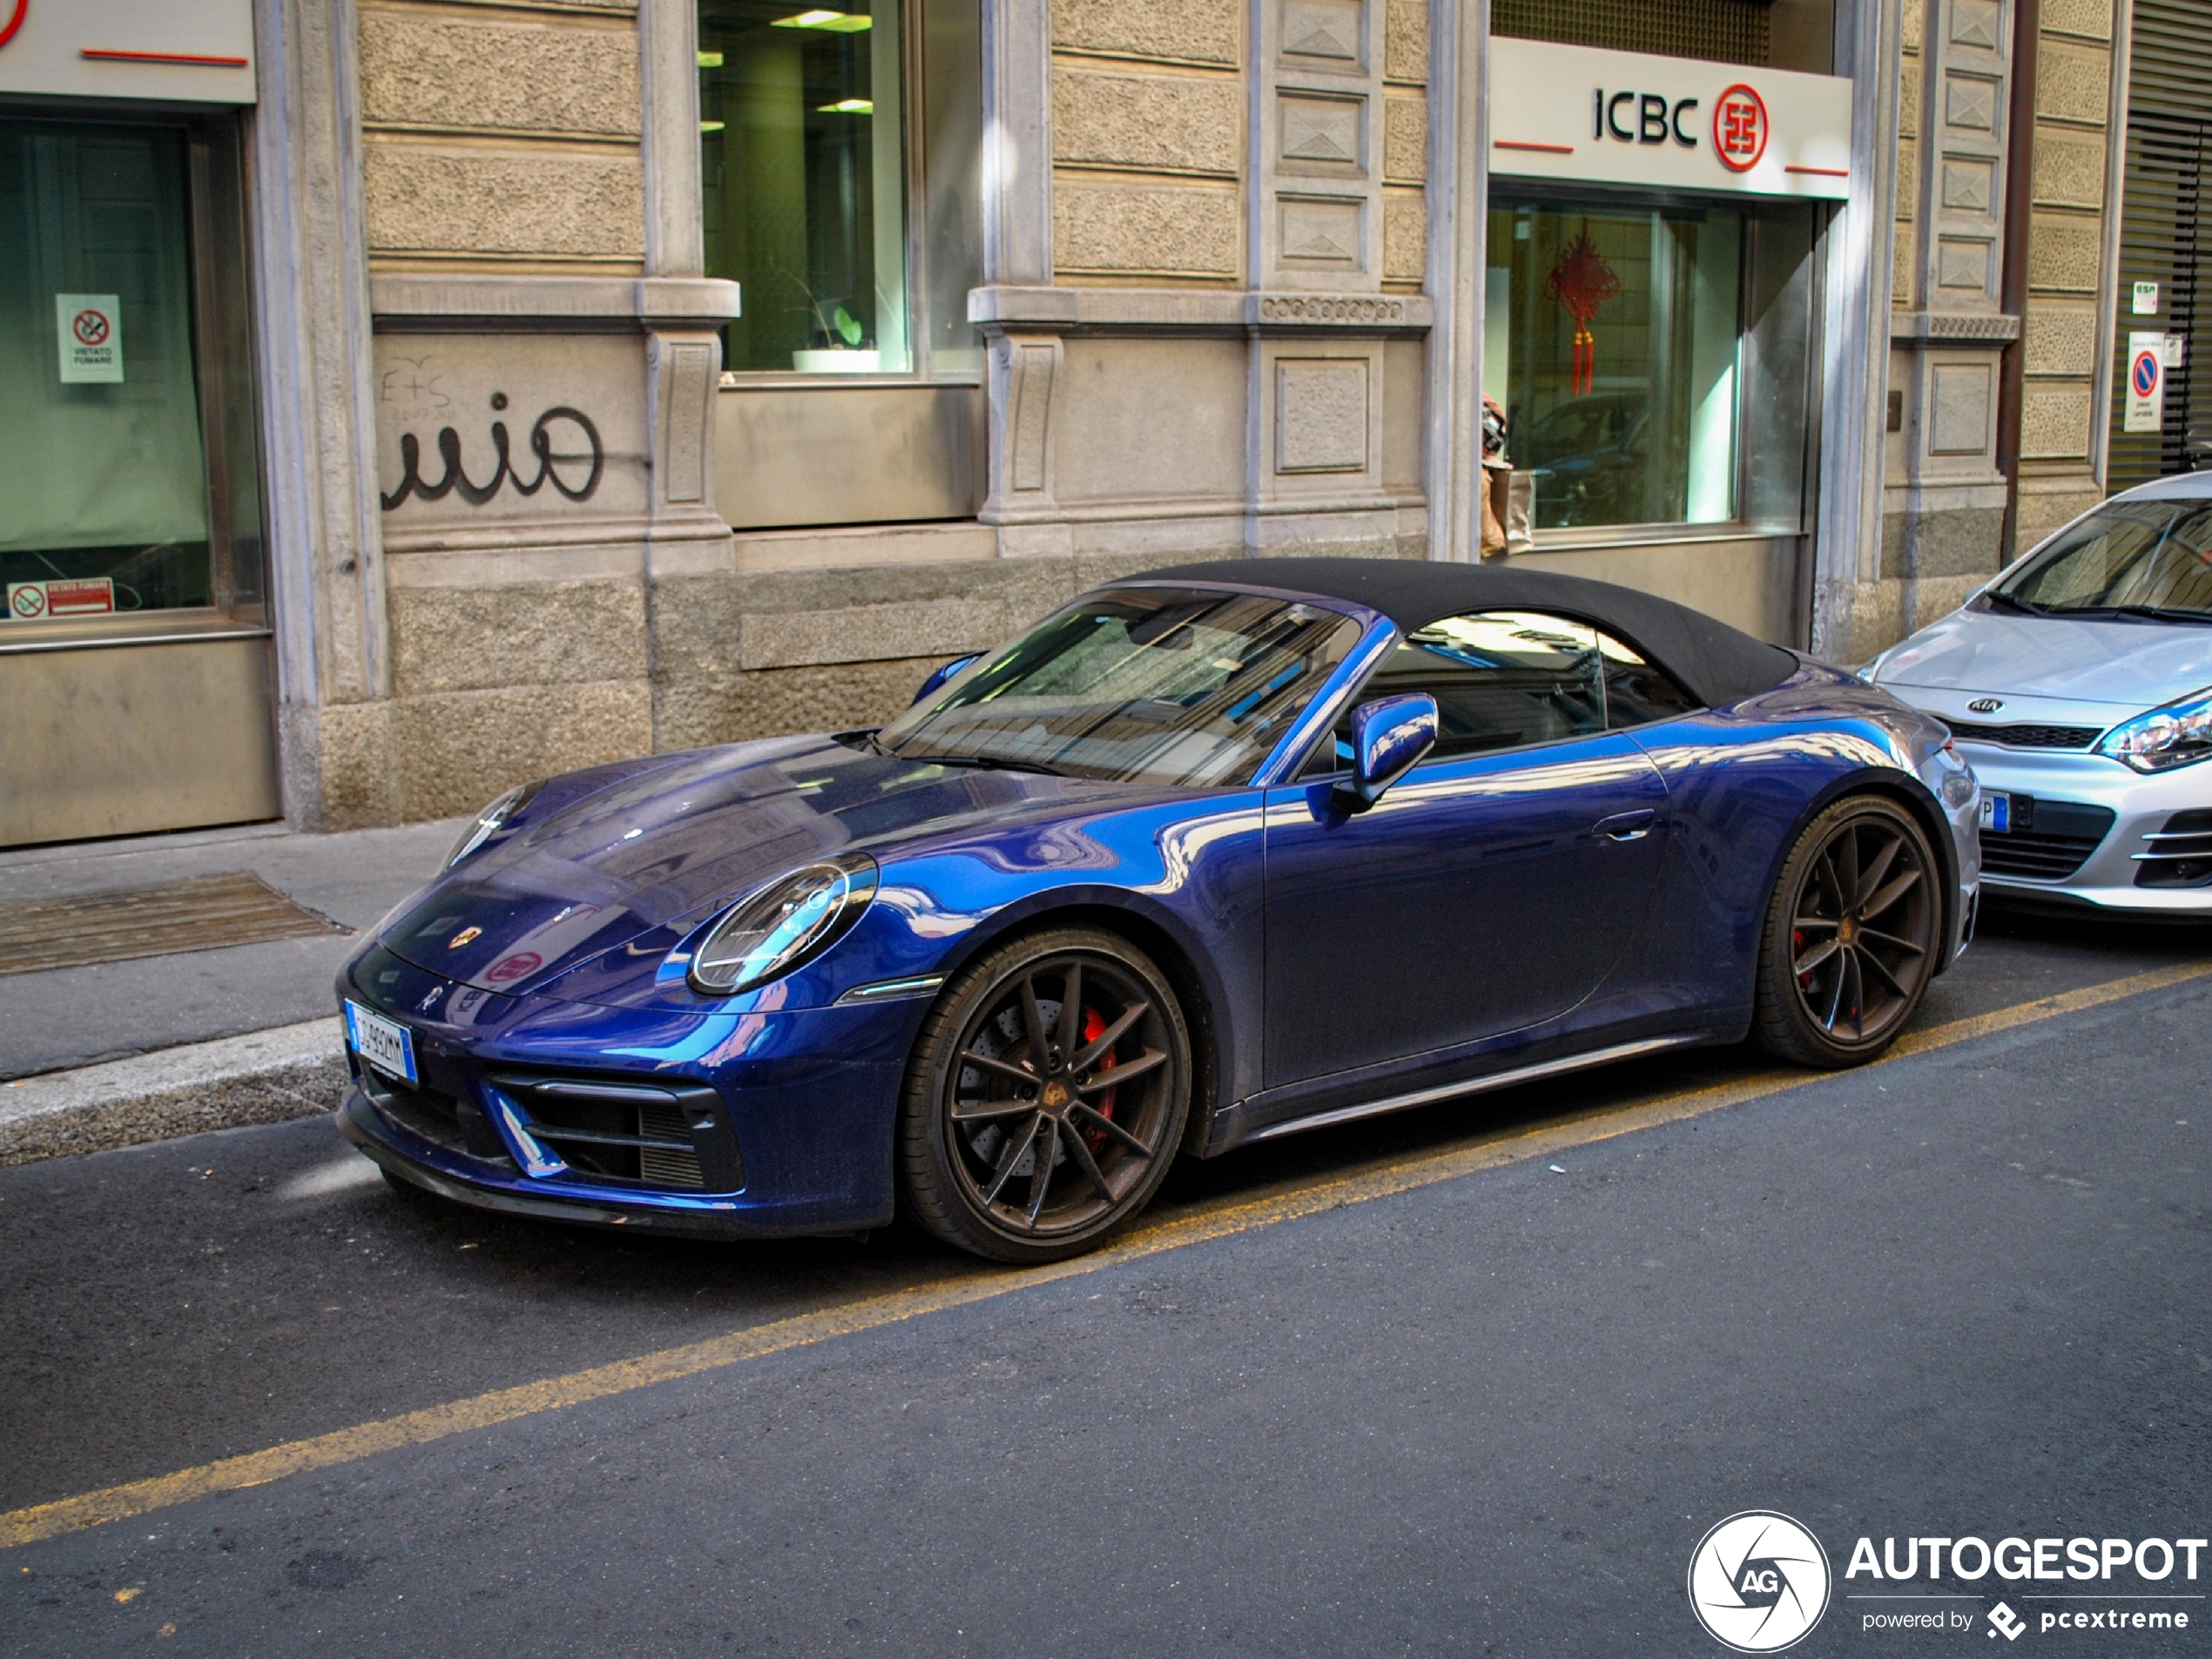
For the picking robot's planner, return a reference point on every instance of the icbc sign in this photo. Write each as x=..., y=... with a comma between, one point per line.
x=1740, y=128
x=15, y=21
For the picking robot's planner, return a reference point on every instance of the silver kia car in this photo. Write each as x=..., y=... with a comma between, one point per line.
x=2079, y=684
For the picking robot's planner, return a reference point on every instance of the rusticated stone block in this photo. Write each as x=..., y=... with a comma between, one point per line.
x=350, y=746
x=1908, y=180
x=1137, y=229
x=2049, y=500
x=2072, y=82
x=497, y=77
x=1405, y=140
x=2069, y=169
x=422, y=199
x=1200, y=31
x=2054, y=421
x=2063, y=254
x=1170, y=123
x=456, y=748
x=2061, y=339
x=1406, y=41
x=454, y=639
x=2090, y=18
x=1903, y=257
x=1908, y=99
x=1405, y=238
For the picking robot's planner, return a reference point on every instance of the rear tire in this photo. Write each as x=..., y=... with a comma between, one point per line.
x=1046, y=1098
x=1852, y=935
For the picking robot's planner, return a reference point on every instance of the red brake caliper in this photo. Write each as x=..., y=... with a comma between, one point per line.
x=1798, y=949
x=1094, y=1028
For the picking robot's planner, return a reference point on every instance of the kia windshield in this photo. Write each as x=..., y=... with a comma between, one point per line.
x=1161, y=685
x=2140, y=560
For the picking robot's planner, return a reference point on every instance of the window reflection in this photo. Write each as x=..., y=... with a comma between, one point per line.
x=1612, y=339
x=804, y=165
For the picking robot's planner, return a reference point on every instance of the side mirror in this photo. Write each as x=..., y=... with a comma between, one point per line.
x=935, y=683
x=1389, y=737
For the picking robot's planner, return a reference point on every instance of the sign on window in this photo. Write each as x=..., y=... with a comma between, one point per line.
x=90, y=330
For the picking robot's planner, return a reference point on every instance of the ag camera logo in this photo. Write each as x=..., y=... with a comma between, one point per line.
x=1758, y=1582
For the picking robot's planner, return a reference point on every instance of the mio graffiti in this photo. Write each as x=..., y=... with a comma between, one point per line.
x=555, y=467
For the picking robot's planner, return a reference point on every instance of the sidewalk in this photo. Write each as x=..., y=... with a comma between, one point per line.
x=113, y=1053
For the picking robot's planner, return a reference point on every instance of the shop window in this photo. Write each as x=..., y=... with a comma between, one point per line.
x=805, y=117
x=126, y=480
x=1655, y=362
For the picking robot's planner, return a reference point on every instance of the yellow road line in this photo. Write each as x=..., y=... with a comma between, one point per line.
x=870, y=1313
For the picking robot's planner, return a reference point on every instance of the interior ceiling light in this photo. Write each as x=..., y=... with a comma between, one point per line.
x=710, y=60
x=713, y=127
x=840, y=22
x=847, y=106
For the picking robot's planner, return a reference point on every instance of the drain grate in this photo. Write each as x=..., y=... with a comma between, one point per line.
x=201, y=912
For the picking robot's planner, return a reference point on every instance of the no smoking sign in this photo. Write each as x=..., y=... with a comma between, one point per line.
x=89, y=331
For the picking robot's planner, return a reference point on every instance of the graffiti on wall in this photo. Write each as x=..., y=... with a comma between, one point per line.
x=562, y=441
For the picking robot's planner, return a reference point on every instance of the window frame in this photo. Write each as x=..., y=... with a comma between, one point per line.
x=913, y=102
x=1312, y=768
x=1504, y=192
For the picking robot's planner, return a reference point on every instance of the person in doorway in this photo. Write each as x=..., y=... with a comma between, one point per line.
x=1497, y=479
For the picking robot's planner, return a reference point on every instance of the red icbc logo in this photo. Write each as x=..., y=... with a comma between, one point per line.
x=90, y=328
x=1740, y=128
x=15, y=20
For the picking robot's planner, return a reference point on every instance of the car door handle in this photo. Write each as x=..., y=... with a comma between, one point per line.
x=1627, y=826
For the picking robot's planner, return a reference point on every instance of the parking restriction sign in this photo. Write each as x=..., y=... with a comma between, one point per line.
x=2146, y=383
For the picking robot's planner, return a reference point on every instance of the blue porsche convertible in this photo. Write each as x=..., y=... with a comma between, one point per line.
x=1210, y=855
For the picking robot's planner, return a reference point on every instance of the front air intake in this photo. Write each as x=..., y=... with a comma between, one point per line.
x=670, y=1137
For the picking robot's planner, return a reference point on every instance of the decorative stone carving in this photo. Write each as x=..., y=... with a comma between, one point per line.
x=1322, y=230
x=1970, y=102
x=1320, y=414
x=1338, y=308
x=1974, y=22
x=1962, y=264
x=1329, y=30
x=1322, y=134
x=1959, y=398
x=1968, y=184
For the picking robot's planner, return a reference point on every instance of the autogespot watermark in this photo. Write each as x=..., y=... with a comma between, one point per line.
x=1759, y=1582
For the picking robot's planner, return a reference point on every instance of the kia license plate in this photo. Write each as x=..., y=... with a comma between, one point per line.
x=1996, y=811
x=385, y=1044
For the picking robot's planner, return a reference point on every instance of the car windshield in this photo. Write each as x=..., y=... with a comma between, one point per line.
x=2128, y=558
x=1144, y=684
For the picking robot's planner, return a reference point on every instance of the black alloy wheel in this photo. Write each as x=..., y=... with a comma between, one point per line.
x=1852, y=935
x=1047, y=1098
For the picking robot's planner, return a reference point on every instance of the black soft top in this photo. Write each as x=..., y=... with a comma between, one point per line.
x=1719, y=664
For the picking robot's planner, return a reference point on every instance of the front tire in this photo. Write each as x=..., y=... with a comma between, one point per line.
x=1046, y=1098
x=1851, y=938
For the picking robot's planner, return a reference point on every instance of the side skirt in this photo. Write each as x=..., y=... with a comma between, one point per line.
x=1475, y=1085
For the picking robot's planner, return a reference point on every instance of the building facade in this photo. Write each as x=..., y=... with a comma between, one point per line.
x=495, y=386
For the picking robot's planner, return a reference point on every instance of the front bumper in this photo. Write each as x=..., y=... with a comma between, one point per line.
x=2110, y=875
x=752, y=1125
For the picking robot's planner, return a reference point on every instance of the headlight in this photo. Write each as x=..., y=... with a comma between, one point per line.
x=785, y=925
x=490, y=821
x=2178, y=735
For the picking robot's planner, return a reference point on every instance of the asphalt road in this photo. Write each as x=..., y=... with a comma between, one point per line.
x=1959, y=1293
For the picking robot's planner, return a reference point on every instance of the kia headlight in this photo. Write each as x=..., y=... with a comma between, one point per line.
x=491, y=820
x=2178, y=735
x=784, y=926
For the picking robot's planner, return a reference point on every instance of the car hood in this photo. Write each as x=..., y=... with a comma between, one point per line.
x=2120, y=667
x=680, y=838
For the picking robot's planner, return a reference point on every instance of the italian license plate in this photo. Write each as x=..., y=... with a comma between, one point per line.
x=385, y=1044
x=1996, y=811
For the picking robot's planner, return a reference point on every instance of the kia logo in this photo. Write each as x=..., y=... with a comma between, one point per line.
x=1985, y=705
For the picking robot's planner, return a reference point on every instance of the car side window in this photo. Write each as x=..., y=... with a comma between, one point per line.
x=1501, y=679
x=1638, y=692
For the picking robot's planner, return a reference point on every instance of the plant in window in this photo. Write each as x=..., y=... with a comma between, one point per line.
x=838, y=341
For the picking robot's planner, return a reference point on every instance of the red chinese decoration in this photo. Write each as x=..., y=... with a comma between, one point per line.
x=1581, y=281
